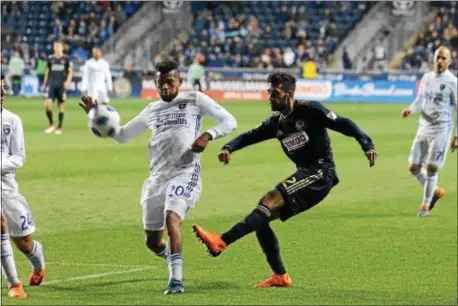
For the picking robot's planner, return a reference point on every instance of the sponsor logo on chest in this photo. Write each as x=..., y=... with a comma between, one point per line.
x=295, y=141
x=58, y=67
x=171, y=119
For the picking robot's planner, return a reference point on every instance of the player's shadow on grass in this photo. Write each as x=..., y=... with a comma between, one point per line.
x=214, y=285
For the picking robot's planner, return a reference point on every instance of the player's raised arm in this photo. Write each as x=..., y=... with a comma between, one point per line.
x=17, y=158
x=416, y=105
x=267, y=130
x=347, y=127
x=132, y=129
x=127, y=132
x=226, y=122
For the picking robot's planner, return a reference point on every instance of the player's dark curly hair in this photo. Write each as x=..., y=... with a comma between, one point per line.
x=166, y=66
x=287, y=81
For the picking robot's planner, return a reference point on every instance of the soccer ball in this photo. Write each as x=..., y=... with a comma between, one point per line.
x=103, y=120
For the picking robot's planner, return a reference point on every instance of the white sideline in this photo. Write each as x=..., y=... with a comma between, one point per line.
x=90, y=276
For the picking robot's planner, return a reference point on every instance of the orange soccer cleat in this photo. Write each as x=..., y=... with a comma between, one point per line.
x=36, y=278
x=439, y=193
x=17, y=291
x=276, y=280
x=213, y=241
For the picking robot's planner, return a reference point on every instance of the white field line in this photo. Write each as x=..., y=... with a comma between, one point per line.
x=87, y=264
x=91, y=276
x=95, y=264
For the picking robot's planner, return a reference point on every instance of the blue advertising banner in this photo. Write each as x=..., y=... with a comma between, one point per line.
x=373, y=91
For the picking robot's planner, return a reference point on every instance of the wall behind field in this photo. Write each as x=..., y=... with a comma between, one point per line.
x=249, y=85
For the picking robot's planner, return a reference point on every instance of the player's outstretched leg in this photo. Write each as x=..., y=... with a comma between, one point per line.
x=429, y=190
x=174, y=258
x=271, y=248
x=258, y=218
x=15, y=288
x=419, y=174
x=48, y=108
x=33, y=250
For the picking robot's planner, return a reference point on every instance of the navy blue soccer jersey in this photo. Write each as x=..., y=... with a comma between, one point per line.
x=303, y=134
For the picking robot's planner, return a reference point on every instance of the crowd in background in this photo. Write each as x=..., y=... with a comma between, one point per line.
x=442, y=31
x=257, y=34
x=30, y=28
x=229, y=36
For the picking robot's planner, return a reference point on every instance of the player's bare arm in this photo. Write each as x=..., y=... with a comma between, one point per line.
x=224, y=156
x=68, y=81
x=201, y=142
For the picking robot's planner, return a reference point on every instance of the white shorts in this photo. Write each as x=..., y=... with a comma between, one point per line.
x=430, y=149
x=179, y=195
x=100, y=95
x=18, y=214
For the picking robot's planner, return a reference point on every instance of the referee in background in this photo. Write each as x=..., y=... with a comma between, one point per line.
x=196, y=74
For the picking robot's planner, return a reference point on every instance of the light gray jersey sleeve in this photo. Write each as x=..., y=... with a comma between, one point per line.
x=16, y=155
x=226, y=122
x=415, y=107
x=133, y=128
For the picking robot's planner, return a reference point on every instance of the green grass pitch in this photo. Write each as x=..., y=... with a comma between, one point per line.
x=362, y=245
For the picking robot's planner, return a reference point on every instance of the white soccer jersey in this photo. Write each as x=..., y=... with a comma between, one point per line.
x=437, y=96
x=13, y=149
x=175, y=125
x=97, y=79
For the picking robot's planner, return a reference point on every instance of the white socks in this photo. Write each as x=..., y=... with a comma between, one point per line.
x=8, y=264
x=36, y=257
x=175, y=263
x=430, y=187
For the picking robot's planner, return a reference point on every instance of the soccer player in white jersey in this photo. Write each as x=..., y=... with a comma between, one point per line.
x=174, y=184
x=96, y=82
x=437, y=96
x=16, y=215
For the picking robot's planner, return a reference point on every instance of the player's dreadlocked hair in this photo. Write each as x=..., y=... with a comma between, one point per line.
x=287, y=81
x=166, y=66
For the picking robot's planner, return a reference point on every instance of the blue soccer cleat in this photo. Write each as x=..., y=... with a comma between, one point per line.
x=174, y=287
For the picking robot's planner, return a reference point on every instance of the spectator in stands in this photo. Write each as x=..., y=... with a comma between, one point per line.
x=120, y=15
x=82, y=28
x=71, y=31
x=347, y=64
x=16, y=71
x=380, y=57
x=57, y=30
x=310, y=69
x=129, y=8
x=289, y=57
x=111, y=26
x=8, y=45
